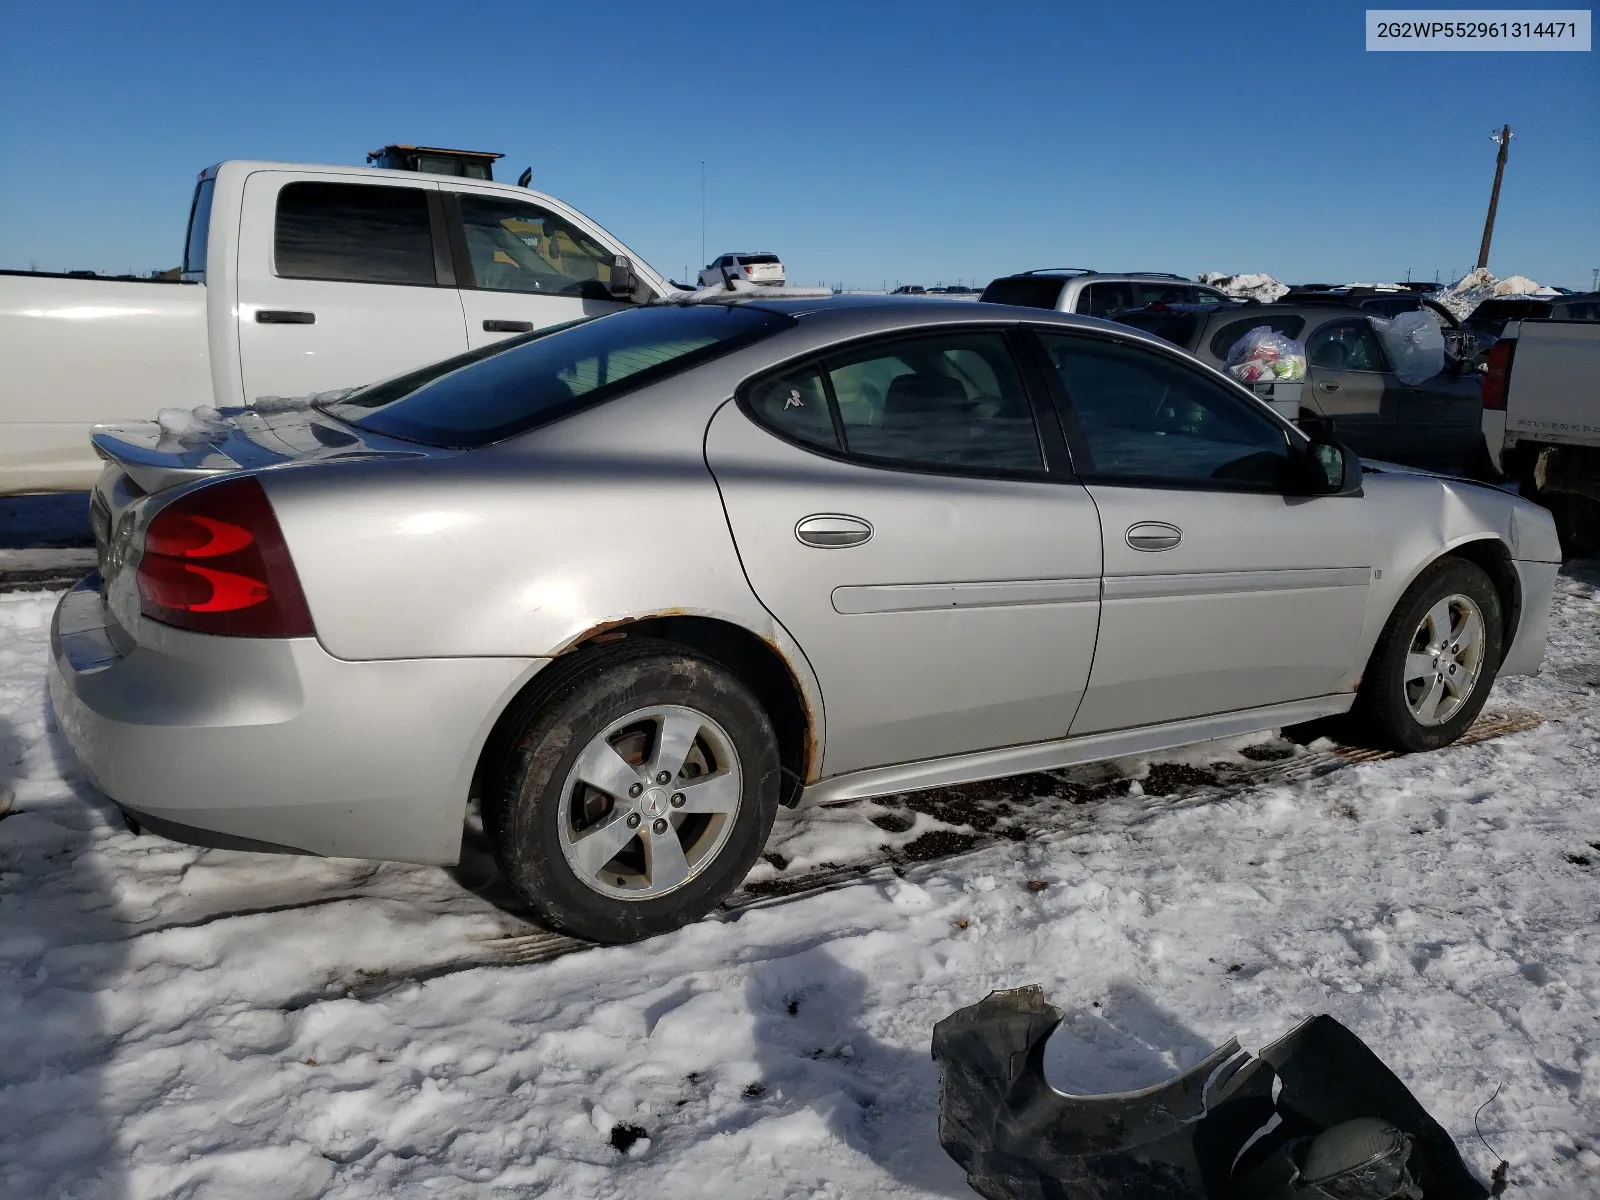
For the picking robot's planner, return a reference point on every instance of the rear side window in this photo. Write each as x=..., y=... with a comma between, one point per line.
x=1224, y=339
x=354, y=232
x=479, y=398
x=1106, y=299
x=1159, y=292
x=1029, y=291
x=796, y=404
x=194, y=246
x=1176, y=327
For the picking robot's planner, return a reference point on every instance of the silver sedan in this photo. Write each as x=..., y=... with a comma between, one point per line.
x=634, y=583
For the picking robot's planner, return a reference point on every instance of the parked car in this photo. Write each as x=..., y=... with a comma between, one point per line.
x=1541, y=420
x=910, y=289
x=296, y=279
x=1491, y=316
x=922, y=545
x=760, y=268
x=1351, y=393
x=1464, y=345
x=1098, y=293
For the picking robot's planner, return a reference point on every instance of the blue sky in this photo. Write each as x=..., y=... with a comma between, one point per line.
x=865, y=142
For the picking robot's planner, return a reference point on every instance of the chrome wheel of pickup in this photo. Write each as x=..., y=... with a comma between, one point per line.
x=650, y=802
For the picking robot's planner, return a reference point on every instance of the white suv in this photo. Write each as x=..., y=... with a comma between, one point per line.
x=1099, y=293
x=762, y=268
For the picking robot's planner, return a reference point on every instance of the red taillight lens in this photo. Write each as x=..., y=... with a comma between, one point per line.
x=749, y=270
x=215, y=562
x=1498, y=375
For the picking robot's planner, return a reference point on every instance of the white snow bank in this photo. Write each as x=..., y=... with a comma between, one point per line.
x=1478, y=285
x=1252, y=286
x=184, y=1022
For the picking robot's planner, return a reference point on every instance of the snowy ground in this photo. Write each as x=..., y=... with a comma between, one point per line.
x=185, y=1023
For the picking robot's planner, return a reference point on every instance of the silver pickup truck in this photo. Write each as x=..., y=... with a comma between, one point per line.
x=1541, y=421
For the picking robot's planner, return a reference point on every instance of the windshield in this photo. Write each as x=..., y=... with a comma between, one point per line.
x=508, y=388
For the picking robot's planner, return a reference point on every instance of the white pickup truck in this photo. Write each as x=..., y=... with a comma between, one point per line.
x=295, y=279
x=1541, y=421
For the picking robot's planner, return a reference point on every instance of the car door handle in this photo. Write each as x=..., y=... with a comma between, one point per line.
x=1154, y=535
x=828, y=531
x=282, y=316
x=508, y=326
x=1327, y=387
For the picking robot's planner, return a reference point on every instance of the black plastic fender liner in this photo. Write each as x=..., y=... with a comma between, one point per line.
x=1194, y=1137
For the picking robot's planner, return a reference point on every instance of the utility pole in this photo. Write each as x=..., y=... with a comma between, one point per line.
x=1504, y=138
x=703, y=211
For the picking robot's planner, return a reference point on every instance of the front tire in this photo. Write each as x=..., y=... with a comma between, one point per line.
x=633, y=791
x=1435, y=662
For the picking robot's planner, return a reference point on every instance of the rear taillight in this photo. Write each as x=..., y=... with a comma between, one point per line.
x=749, y=270
x=215, y=562
x=1498, y=374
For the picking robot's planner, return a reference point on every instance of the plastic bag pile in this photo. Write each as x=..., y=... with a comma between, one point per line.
x=1267, y=357
x=1414, y=343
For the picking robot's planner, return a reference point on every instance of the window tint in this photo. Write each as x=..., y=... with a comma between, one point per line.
x=1140, y=415
x=1512, y=310
x=1579, y=312
x=1177, y=327
x=515, y=385
x=1345, y=346
x=518, y=247
x=194, y=248
x=757, y=259
x=796, y=405
x=949, y=401
x=1160, y=292
x=1105, y=299
x=1391, y=306
x=1029, y=291
x=1225, y=338
x=1209, y=298
x=355, y=232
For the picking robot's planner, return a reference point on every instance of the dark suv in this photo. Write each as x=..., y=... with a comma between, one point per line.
x=1490, y=317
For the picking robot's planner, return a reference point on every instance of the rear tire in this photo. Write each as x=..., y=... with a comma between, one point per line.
x=581, y=823
x=1434, y=663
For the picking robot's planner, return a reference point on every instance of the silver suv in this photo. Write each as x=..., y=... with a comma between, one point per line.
x=1100, y=294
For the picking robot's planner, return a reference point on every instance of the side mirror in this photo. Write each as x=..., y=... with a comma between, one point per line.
x=1330, y=469
x=623, y=280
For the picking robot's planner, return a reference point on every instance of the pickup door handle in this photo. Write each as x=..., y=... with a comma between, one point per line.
x=283, y=316
x=508, y=326
x=1327, y=387
x=1154, y=535
x=827, y=531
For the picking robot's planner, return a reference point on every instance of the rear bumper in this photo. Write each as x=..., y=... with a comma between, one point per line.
x=276, y=741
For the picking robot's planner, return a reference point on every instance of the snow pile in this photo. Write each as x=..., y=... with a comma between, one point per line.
x=1254, y=286
x=192, y=426
x=186, y=1022
x=1478, y=285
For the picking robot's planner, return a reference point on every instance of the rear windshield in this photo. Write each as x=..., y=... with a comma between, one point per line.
x=502, y=390
x=1175, y=327
x=1030, y=291
x=194, y=246
x=1511, y=310
x=756, y=259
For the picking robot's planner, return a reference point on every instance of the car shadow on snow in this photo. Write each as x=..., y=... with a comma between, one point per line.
x=882, y=1097
x=62, y=954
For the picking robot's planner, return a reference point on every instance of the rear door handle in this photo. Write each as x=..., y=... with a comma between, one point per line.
x=1154, y=535
x=282, y=316
x=828, y=531
x=508, y=326
x=1327, y=387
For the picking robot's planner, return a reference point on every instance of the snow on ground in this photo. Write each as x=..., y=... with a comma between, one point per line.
x=185, y=1023
x=1477, y=285
x=1252, y=286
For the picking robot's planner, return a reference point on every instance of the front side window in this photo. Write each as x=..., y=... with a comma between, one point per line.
x=505, y=389
x=1345, y=346
x=359, y=233
x=517, y=247
x=1139, y=416
x=951, y=401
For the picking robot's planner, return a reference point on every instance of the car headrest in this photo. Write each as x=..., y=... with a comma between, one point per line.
x=918, y=395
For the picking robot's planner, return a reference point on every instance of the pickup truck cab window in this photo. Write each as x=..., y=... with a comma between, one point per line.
x=357, y=233
x=519, y=247
x=194, y=244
